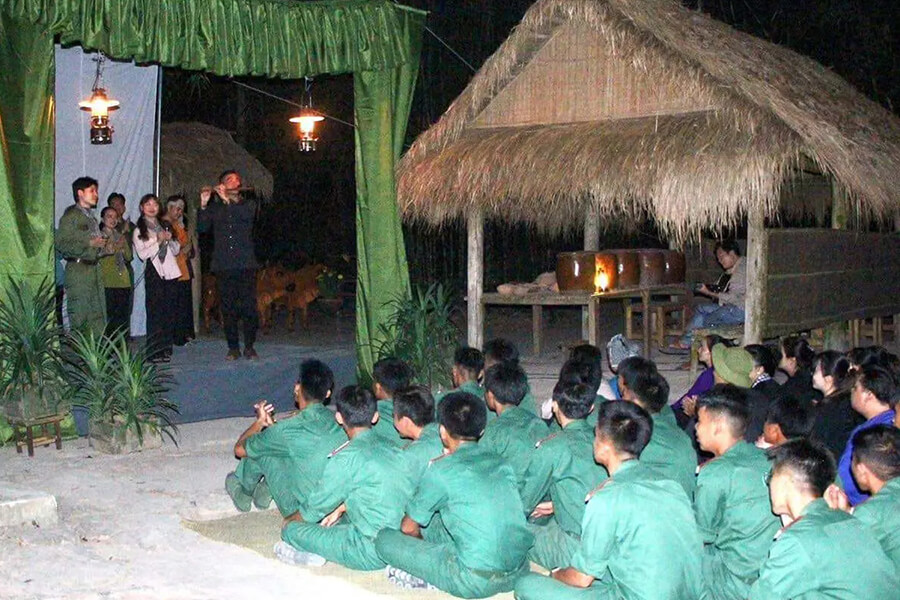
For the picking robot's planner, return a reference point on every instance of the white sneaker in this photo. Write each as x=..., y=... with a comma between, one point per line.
x=290, y=555
x=406, y=581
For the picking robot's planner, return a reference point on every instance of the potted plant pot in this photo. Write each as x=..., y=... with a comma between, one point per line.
x=118, y=437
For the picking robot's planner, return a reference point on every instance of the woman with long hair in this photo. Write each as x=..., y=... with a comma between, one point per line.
x=184, y=305
x=835, y=418
x=797, y=363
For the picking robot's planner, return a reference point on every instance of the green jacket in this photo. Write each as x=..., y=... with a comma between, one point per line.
x=385, y=425
x=881, y=513
x=512, y=436
x=419, y=452
x=670, y=452
x=85, y=294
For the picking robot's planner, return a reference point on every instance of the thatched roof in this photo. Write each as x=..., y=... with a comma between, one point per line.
x=644, y=107
x=193, y=155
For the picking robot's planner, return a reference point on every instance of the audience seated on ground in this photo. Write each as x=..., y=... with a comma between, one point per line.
x=561, y=473
x=639, y=538
x=590, y=363
x=500, y=350
x=788, y=418
x=670, y=453
x=685, y=408
x=474, y=493
x=285, y=460
x=366, y=478
x=835, y=418
x=388, y=376
x=764, y=366
x=873, y=397
x=733, y=366
x=797, y=363
x=573, y=372
x=821, y=553
x=414, y=421
x=731, y=500
x=617, y=349
x=468, y=370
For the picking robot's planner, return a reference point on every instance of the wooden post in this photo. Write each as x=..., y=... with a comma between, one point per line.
x=757, y=271
x=591, y=244
x=836, y=334
x=475, y=279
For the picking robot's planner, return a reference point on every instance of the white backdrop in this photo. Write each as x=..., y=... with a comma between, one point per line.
x=128, y=165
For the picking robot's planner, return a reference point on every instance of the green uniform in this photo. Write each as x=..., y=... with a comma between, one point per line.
x=512, y=436
x=474, y=493
x=562, y=466
x=385, y=425
x=670, y=452
x=639, y=540
x=291, y=455
x=471, y=387
x=419, y=452
x=369, y=476
x=735, y=519
x=85, y=294
x=881, y=513
x=826, y=554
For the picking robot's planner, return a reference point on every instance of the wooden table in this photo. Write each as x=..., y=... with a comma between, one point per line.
x=588, y=300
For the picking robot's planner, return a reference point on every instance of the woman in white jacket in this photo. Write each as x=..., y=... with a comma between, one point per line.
x=155, y=244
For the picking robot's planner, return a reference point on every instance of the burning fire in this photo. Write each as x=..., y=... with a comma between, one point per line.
x=601, y=281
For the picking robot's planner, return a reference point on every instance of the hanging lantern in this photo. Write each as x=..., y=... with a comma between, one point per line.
x=306, y=121
x=99, y=105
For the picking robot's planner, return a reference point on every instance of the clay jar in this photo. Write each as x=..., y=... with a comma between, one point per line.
x=628, y=268
x=606, y=262
x=575, y=271
x=674, y=266
x=653, y=267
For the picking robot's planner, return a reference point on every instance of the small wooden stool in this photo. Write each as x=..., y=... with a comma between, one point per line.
x=660, y=316
x=23, y=433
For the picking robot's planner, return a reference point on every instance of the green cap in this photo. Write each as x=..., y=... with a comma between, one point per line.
x=733, y=365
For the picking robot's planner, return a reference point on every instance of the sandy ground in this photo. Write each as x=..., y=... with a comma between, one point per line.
x=120, y=535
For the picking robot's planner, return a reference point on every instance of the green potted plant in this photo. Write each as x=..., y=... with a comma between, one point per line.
x=122, y=390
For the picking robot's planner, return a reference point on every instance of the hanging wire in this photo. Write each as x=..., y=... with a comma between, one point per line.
x=100, y=58
x=292, y=103
x=450, y=48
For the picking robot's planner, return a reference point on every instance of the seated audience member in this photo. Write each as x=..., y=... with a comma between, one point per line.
x=872, y=396
x=866, y=356
x=788, y=418
x=731, y=500
x=639, y=538
x=284, y=460
x=414, y=420
x=835, y=419
x=685, y=407
x=876, y=468
x=734, y=365
x=468, y=369
x=388, y=376
x=515, y=431
x=590, y=361
x=764, y=366
x=821, y=553
x=499, y=350
x=474, y=493
x=617, y=350
x=797, y=363
x=563, y=469
x=670, y=453
x=366, y=478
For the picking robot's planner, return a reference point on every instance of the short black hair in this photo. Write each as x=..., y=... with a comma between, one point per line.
x=507, y=382
x=810, y=463
x=317, y=380
x=587, y=354
x=82, y=183
x=114, y=196
x=651, y=388
x=879, y=449
x=579, y=371
x=226, y=174
x=795, y=417
x=470, y=360
x=626, y=425
x=728, y=245
x=728, y=401
x=879, y=381
x=463, y=415
x=357, y=406
x=500, y=350
x=763, y=357
x=574, y=401
x=415, y=402
x=392, y=373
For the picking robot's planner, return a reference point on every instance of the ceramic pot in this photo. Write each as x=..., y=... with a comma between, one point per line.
x=575, y=271
x=653, y=267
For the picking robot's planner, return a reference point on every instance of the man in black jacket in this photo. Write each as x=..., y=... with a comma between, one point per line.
x=233, y=261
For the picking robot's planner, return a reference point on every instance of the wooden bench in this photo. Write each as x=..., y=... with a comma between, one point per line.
x=660, y=313
x=23, y=433
x=729, y=332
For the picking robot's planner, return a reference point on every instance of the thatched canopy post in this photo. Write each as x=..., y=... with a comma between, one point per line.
x=475, y=279
x=836, y=337
x=757, y=273
x=591, y=243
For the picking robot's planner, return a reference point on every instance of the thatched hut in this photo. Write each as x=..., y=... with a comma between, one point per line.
x=596, y=110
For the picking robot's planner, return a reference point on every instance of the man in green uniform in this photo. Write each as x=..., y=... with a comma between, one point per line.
x=389, y=375
x=639, y=539
x=731, y=501
x=474, y=493
x=876, y=469
x=499, y=350
x=468, y=369
x=562, y=466
x=284, y=460
x=670, y=452
x=365, y=478
x=414, y=420
x=821, y=553
x=787, y=418
x=515, y=431
x=78, y=240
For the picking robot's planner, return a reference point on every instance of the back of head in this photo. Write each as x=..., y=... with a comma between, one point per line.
x=592, y=356
x=878, y=448
x=635, y=366
x=392, y=373
x=728, y=402
x=834, y=365
x=507, y=382
x=416, y=403
x=763, y=357
x=574, y=370
x=356, y=406
x=809, y=463
x=317, y=380
x=794, y=346
x=469, y=360
x=794, y=417
x=574, y=401
x=500, y=350
x=647, y=384
x=627, y=426
x=463, y=416
x=880, y=382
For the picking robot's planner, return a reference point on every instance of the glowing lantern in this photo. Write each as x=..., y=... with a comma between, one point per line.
x=99, y=105
x=306, y=121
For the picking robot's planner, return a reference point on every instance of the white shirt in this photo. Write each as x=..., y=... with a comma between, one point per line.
x=149, y=249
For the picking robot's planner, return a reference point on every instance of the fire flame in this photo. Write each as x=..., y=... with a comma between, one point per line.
x=601, y=281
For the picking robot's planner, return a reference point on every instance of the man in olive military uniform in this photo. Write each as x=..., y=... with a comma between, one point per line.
x=515, y=431
x=639, y=539
x=414, y=421
x=388, y=376
x=79, y=241
x=562, y=468
x=876, y=468
x=365, y=478
x=821, y=553
x=670, y=452
x=284, y=460
x=474, y=493
x=731, y=501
